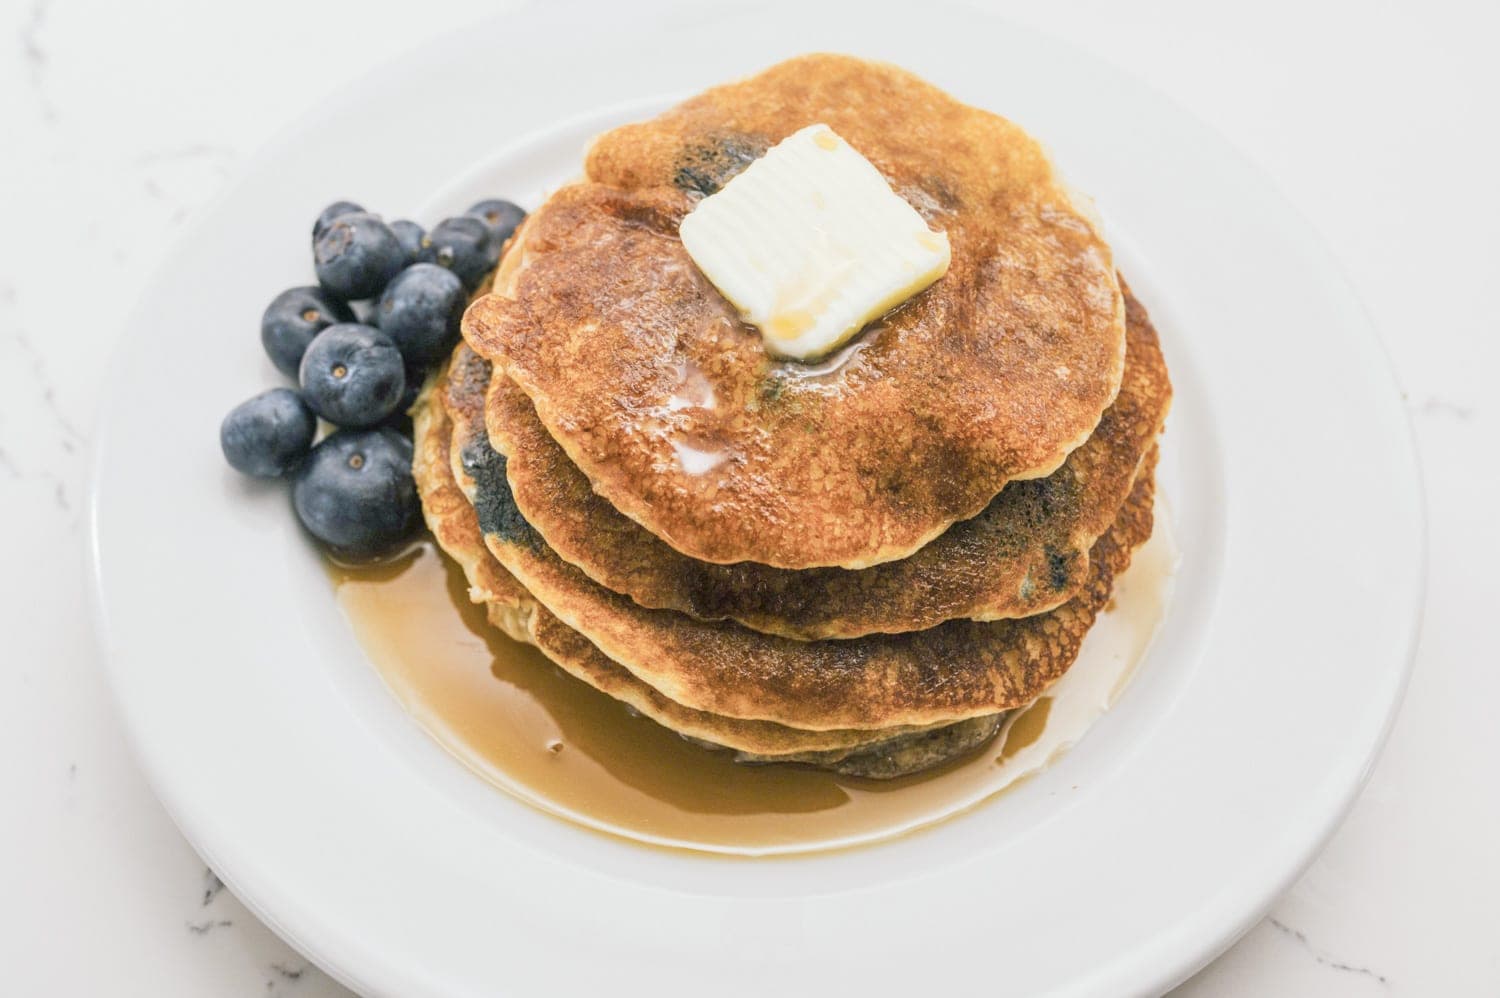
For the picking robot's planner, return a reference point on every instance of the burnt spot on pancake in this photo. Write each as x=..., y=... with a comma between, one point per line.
x=705, y=167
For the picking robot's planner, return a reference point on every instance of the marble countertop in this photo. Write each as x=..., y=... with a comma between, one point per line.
x=1377, y=120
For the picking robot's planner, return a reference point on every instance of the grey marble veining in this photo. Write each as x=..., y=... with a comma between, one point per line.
x=35, y=54
x=1325, y=960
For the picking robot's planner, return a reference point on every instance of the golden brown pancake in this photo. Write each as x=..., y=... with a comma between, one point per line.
x=455, y=525
x=677, y=414
x=1027, y=552
x=951, y=672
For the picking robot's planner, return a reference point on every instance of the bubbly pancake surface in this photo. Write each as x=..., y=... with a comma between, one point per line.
x=957, y=670
x=676, y=413
x=1027, y=552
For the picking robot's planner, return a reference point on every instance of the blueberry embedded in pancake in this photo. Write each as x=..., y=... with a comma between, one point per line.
x=705, y=167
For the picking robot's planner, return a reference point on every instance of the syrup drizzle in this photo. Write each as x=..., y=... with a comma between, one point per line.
x=523, y=724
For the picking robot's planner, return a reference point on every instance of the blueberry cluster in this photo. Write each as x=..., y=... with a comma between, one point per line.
x=360, y=369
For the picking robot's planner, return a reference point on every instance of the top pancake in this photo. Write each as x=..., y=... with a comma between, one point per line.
x=677, y=414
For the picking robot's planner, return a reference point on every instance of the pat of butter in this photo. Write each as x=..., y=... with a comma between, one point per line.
x=810, y=243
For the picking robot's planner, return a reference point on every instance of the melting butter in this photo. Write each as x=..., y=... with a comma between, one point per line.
x=810, y=243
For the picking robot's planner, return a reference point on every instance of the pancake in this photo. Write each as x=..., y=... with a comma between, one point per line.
x=899, y=756
x=1026, y=553
x=878, y=754
x=680, y=418
x=952, y=672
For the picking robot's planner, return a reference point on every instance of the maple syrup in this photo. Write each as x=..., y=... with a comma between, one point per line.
x=522, y=723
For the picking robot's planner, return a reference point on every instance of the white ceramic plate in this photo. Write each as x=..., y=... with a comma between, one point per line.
x=1118, y=870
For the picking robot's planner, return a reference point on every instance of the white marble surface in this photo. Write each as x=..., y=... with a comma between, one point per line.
x=119, y=119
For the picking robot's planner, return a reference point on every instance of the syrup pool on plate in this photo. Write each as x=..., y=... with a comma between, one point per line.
x=526, y=726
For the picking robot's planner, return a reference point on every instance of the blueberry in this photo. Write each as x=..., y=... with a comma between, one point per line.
x=465, y=246
x=267, y=435
x=499, y=216
x=325, y=219
x=410, y=235
x=356, y=255
x=352, y=375
x=291, y=321
x=355, y=492
x=421, y=310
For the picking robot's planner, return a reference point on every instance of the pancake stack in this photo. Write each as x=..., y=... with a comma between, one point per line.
x=862, y=563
